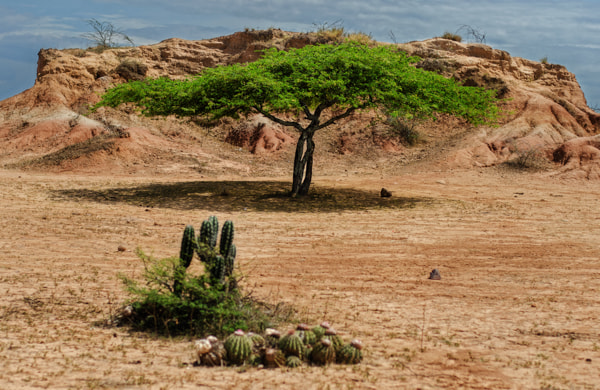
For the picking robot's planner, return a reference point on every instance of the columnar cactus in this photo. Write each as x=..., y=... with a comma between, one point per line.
x=226, y=238
x=207, y=238
x=215, y=230
x=219, y=261
x=188, y=245
x=217, y=269
x=230, y=260
x=238, y=347
x=186, y=253
x=350, y=353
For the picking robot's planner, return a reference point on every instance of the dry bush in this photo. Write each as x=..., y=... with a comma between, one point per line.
x=452, y=37
x=132, y=70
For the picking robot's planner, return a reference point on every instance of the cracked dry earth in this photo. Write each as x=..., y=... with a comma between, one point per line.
x=517, y=307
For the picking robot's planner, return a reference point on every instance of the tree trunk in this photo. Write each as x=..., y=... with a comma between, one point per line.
x=298, y=165
x=303, y=163
x=310, y=148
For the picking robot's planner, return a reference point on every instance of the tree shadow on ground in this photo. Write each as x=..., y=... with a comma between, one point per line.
x=233, y=196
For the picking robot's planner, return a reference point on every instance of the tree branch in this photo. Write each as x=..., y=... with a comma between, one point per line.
x=295, y=125
x=338, y=117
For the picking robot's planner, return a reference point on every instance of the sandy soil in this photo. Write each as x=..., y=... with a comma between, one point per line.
x=518, y=305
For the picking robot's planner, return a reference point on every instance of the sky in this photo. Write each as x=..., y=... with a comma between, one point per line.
x=564, y=32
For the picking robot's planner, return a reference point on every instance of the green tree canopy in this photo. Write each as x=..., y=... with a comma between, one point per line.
x=320, y=84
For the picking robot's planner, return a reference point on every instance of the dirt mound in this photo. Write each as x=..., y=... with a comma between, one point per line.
x=259, y=135
x=544, y=109
x=580, y=157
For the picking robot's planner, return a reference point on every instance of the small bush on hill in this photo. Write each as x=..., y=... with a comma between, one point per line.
x=452, y=37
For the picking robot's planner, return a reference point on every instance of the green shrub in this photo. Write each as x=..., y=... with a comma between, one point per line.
x=197, y=306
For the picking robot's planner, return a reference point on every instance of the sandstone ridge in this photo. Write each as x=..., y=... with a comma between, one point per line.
x=48, y=126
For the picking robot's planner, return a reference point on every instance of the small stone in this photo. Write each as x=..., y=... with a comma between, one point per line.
x=435, y=275
x=121, y=248
x=385, y=193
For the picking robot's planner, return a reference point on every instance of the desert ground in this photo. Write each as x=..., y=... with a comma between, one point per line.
x=517, y=307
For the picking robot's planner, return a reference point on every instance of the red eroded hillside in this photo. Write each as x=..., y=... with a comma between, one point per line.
x=48, y=126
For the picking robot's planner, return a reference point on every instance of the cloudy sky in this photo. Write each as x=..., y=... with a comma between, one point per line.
x=566, y=32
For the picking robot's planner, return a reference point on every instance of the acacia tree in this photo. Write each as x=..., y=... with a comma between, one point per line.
x=319, y=85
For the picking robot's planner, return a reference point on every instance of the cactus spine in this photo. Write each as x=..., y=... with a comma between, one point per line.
x=238, y=347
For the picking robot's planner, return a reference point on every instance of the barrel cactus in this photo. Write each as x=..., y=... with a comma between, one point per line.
x=350, y=353
x=274, y=358
x=238, y=347
x=272, y=337
x=291, y=344
x=293, y=361
x=258, y=342
x=210, y=351
x=336, y=340
x=323, y=353
x=320, y=329
x=307, y=336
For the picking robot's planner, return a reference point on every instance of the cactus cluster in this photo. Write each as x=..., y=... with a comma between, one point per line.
x=219, y=260
x=272, y=350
